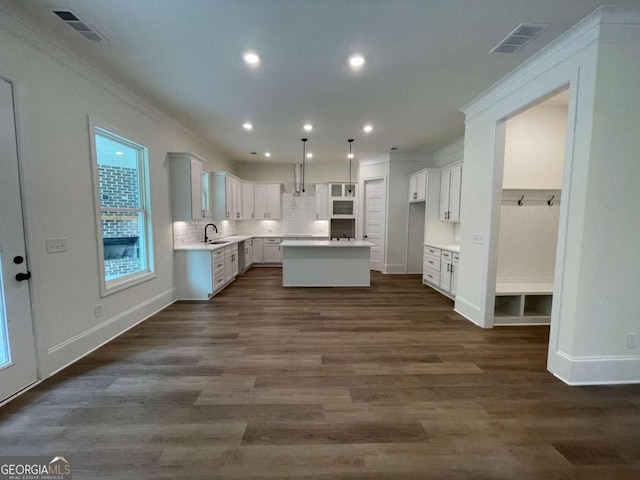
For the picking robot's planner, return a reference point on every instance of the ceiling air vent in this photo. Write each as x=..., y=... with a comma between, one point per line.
x=78, y=25
x=523, y=34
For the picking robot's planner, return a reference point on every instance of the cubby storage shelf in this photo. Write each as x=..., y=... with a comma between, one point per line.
x=523, y=303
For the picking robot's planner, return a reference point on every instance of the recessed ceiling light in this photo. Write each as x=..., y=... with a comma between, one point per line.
x=309, y=155
x=119, y=153
x=308, y=127
x=367, y=128
x=356, y=61
x=247, y=126
x=252, y=58
x=267, y=154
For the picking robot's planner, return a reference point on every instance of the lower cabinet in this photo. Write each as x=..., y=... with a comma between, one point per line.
x=257, y=251
x=200, y=274
x=440, y=270
x=271, y=251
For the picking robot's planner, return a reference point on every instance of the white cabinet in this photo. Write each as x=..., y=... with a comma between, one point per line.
x=189, y=187
x=440, y=269
x=271, y=251
x=248, y=254
x=247, y=201
x=226, y=196
x=267, y=201
x=257, y=251
x=322, y=201
x=450, y=186
x=418, y=186
x=219, y=277
x=231, y=262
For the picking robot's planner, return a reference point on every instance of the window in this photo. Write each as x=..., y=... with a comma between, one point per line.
x=122, y=206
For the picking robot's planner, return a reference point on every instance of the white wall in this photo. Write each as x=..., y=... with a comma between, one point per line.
x=593, y=308
x=55, y=96
x=534, y=148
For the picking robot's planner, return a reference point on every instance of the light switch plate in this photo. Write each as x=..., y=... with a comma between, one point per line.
x=55, y=245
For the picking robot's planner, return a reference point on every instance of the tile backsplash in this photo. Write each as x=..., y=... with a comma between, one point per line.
x=298, y=218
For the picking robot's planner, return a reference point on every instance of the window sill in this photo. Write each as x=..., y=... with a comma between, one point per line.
x=120, y=284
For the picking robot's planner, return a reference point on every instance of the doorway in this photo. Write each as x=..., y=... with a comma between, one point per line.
x=374, y=220
x=534, y=155
x=17, y=349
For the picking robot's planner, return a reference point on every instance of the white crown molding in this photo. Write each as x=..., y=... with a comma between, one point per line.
x=582, y=35
x=13, y=25
x=454, y=148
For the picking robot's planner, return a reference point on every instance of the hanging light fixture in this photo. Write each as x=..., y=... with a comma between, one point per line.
x=350, y=158
x=304, y=144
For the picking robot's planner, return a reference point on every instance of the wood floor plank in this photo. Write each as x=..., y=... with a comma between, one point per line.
x=379, y=383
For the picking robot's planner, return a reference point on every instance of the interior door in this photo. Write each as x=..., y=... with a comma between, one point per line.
x=17, y=349
x=374, y=207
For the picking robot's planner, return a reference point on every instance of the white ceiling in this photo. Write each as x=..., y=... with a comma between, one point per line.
x=425, y=59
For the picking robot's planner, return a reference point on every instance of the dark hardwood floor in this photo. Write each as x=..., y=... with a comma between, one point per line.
x=384, y=382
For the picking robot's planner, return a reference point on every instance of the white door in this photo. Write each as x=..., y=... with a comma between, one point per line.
x=374, y=207
x=247, y=201
x=445, y=185
x=260, y=201
x=17, y=350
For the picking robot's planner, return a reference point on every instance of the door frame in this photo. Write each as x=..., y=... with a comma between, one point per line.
x=22, y=151
x=360, y=234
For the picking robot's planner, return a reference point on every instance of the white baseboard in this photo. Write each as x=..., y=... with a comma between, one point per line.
x=469, y=310
x=71, y=350
x=594, y=370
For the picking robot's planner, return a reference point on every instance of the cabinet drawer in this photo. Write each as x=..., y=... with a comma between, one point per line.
x=248, y=242
x=217, y=255
x=231, y=249
x=446, y=254
x=218, y=282
x=432, y=251
x=431, y=276
x=456, y=258
x=272, y=240
x=432, y=263
x=218, y=266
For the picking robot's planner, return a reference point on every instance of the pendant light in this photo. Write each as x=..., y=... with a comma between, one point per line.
x=304, y=144
x=350, y=157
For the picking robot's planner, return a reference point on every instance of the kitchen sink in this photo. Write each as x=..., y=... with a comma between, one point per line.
x=220, y=242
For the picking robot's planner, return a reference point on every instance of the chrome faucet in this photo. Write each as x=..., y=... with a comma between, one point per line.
x=206, y=239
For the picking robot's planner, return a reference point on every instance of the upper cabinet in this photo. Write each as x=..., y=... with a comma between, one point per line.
x=450, y=187
x=226, y=197
x=418, y=186
x=189, y=187
x=322, y=201
x=267, y=201
x=248, y=212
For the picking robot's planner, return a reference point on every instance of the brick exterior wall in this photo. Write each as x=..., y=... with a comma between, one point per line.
x=119, y=189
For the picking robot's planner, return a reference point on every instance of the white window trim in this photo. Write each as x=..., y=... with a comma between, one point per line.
x=124, y=282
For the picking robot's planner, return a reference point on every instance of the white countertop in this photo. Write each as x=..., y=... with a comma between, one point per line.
x=241, y=238
x=326, y=243
x=451, y=247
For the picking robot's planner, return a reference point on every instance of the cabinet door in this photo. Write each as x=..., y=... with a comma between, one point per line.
x=274, y=202
x=454, y=279
x=247, y=201
x=454, y=194
x=228, y=267
x=445, y=181
x=257, y=251
x=421, y=186
x=197, y=211
x=272, y=253
x=445, y=276
x=260, y=202
x=237, y=199
x=206, y=194
x=235, y=264
x=248, y=256
x=322, y=201
x=228, y=184
x=413, y=188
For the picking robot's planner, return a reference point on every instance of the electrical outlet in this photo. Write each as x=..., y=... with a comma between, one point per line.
x=632, y=340
x=97, y=310
x=55, y=245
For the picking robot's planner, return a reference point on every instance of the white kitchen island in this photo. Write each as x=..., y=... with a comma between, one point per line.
x=326, y=263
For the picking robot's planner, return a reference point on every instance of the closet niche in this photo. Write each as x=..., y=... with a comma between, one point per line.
x=532, y=180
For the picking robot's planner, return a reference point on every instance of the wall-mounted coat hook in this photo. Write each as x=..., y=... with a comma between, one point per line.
x=550, y=201
x=521, y=202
